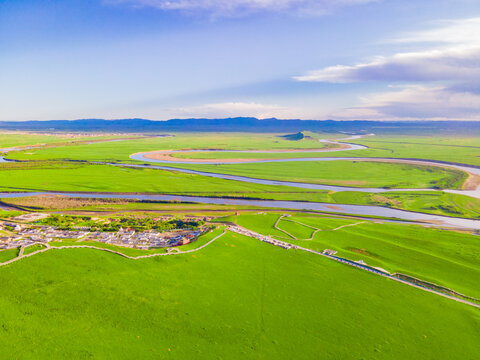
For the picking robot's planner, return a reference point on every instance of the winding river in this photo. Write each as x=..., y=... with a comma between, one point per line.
x=463, y=167
x=363, y=210
x=277, y=204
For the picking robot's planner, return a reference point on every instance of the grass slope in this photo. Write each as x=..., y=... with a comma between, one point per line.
x=236, y=299
x=444, y=257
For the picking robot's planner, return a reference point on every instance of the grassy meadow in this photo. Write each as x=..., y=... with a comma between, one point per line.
x=11, y=139
x=238, y=299
x=79, y=177
x=19, y=139
x=455, y=149
x=345, y=173
x=446, y=258
x=465, y=150
x=458, y=149
x=121, y=150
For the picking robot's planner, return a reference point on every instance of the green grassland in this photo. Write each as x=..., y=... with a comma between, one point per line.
x=9, y=214
x=236, y=299
x=98, y=178
x=8, y=140
x=454, y=149
x=32, y=248
x=9, y=254
x=464, y=150
x=121, y=150
x=446, y=258
x=345, y=173
x=104, y=178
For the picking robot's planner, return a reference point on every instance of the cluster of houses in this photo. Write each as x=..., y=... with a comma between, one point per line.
x=146, y=239
x=20, y=235
x=30, y=236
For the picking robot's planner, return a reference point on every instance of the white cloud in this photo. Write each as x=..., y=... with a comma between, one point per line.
x=456, y=59
x=460, y=31
x=452, y=64
x=235, y=109
x=444, y=76
x=415, y=102
x=242, y=7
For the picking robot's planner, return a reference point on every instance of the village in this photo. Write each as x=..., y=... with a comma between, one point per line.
x=14, y=234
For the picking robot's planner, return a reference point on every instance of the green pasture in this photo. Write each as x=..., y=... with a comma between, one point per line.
x=445, y=258
x=8, y=140
x=454, y=149
x=236, y=299
x=121, y=150
x=458, y=149
x=98, y=178
x=9, y=254
x=32, y=248
x=345, y=173
x=104, y=178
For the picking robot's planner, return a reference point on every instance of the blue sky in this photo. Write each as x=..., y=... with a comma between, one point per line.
x=158, y=59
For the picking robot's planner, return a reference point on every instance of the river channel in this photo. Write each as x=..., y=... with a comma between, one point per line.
x=291, y=205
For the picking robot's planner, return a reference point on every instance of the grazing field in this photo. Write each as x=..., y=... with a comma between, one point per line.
x=19, y=139
x=104, y=178
x=445, y=258
x=237, y=298
x=33, y=248
x=8, y=140
x=98, y=178
x=459, y=149
x=345, y=173
x=454, y=149
x=121, y=150
x=9, y=254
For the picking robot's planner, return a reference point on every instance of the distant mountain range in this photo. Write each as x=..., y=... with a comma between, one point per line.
x=247, y=124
